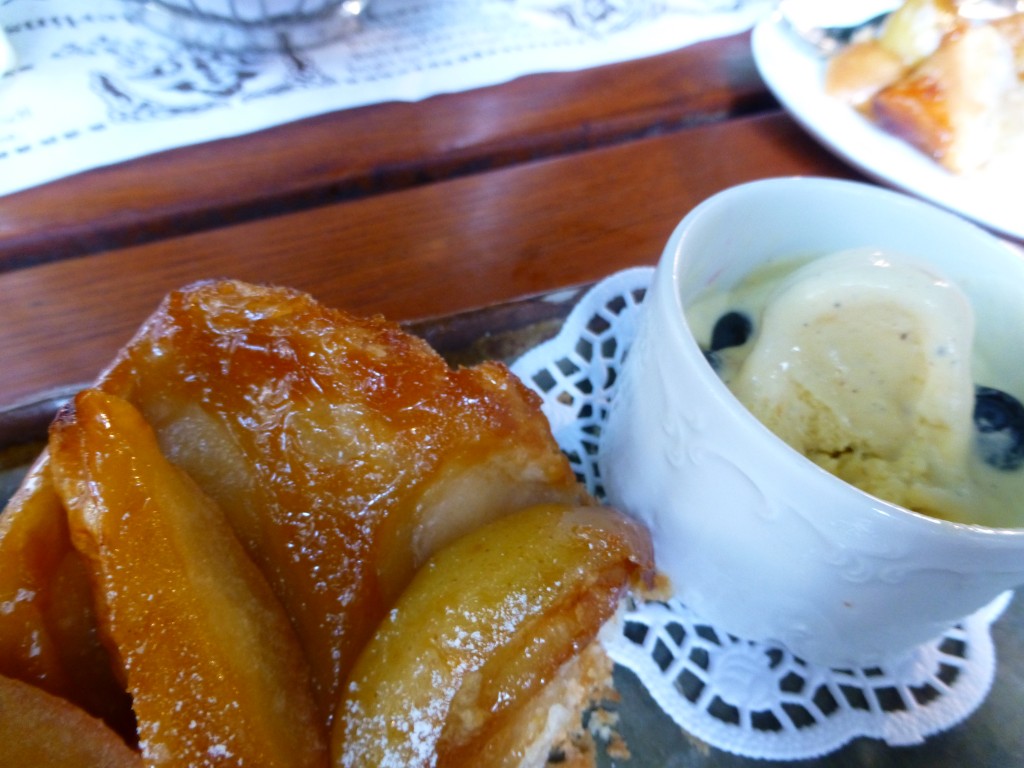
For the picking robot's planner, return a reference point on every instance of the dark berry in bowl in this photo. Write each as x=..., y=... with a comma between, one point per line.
x=999, y=428
x=731, y=330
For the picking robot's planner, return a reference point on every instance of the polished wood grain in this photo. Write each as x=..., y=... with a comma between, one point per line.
x=427, y=251
x=359, y=152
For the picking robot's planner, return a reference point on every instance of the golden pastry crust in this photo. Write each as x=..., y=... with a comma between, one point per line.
x=950, y=105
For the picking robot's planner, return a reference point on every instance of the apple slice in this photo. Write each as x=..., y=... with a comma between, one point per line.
x=48, y=633
x=210, y=658
x=481, y=631
x=40, y=730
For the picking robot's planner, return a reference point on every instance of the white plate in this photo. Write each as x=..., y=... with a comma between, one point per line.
x=796, y=76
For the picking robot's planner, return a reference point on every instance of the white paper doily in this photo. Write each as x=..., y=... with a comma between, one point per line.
x=751, y=699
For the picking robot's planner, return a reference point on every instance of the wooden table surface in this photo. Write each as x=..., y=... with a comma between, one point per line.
x=361, y=152
x=425, y=251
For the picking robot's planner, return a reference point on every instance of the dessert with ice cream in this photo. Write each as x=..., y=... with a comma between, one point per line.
x=862, y=361
x=877, y=336
x=231, y=553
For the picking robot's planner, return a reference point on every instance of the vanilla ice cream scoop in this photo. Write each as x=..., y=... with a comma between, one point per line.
x=862, y=362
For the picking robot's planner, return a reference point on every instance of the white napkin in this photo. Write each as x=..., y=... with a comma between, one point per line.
x=92, y=89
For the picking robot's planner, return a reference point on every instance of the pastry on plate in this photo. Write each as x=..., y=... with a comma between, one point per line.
x=950, y=106
x=948, y=86
x=253, y=462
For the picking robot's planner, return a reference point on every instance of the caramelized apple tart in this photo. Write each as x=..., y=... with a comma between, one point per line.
x=266, y=508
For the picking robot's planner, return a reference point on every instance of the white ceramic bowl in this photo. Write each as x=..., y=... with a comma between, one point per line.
x=756, y=538
x=250, y=26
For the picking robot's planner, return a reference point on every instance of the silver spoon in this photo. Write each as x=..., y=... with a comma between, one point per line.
x=827, y=40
